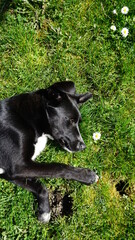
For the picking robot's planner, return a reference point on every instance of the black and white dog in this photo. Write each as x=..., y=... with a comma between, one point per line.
x=26, y=121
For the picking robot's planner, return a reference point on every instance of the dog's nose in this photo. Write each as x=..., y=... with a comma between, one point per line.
x=80, y=146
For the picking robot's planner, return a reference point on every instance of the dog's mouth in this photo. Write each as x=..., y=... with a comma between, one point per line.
x=64, y=144
x=71, y=146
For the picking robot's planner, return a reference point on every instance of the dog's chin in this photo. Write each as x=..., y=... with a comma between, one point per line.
x=68, y=150
x=66, y=146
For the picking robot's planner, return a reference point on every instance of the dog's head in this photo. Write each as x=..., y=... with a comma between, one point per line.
x=63, y=115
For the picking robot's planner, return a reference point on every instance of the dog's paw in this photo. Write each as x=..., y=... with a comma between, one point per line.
x=44, y=217
x=89, y=177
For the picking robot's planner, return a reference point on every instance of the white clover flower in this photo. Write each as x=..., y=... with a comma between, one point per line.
x=114, y=11
x=96, y=136
x=124, y=32
x=124, y=10
x=113, y=27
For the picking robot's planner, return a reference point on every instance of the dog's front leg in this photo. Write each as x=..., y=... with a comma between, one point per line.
x=40, y=193
x=55, y=170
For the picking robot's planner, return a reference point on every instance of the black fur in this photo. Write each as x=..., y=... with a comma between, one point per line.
x=23, y=119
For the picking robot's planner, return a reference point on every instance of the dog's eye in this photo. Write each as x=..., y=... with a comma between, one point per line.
x=66, y=118
x=72, y=121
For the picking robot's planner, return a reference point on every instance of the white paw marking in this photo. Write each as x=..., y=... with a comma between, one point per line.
x=97, y=178
x=45, y=217
x=2, y=170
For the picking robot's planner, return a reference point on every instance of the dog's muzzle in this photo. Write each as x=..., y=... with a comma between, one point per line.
x=71, y=146
x=80, y=146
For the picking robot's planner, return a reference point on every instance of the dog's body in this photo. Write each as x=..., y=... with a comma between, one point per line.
x=26, y=121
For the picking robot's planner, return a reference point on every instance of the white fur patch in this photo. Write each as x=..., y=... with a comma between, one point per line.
x=40, y=145
x=45, y=217
x=2, y=170
x=97, y=178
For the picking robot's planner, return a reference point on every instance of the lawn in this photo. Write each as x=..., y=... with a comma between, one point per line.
x=42, y=42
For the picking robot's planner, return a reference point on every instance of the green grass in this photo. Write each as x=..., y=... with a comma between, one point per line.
x=45, y=42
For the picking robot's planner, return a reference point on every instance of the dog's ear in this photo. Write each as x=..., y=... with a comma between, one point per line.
x=69, y=88
x=53, y=96
x=55, y=93
x=81, y=98
x=66, y=87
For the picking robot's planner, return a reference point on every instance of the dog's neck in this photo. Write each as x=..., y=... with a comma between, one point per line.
x=31, y=108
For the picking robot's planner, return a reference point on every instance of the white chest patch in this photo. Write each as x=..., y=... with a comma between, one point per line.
x=40, y=145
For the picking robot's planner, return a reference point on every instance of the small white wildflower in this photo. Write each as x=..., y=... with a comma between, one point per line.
x=124, y=32
x=125, y=196
x=114, y=11
x=96, y=136
x=124, y=10
x=113, y=27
